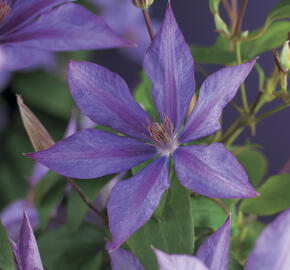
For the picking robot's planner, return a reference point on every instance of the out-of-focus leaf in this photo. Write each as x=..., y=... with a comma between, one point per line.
x=274, y=197
x=279, y=11
x=255, y=164
x=76, y=208
x=245, y=242
x=143, y=95
x=12, y=185
x=44, y=91
x=48, y=192
x=273, y=37
x=6, y=255
x=207, y=213
x=171, y=229
x=64, y=249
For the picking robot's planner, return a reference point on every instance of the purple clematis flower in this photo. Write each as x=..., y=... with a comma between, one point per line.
x=213, y=254
x=31, y=26
x=103, y=96
x=272, y=249
x=122, y=259
x=12, y=215
x=26, y=254
x=126, y=19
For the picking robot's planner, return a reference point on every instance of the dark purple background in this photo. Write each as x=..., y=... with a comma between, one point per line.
x=196, y=22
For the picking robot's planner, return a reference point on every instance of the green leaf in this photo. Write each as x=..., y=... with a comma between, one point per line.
x=255, y=164
x=273, y=37
x=63, y=249
x=44, y=91
x=170, y=229
x=6, y=255
x=48, y=192
x=212, y=54
x=143, y=95
x=77, y=209
x=279, y=11
x=207, y=213
x=274, y=197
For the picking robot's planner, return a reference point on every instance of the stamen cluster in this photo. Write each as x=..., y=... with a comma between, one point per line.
x=4, y=10
x=162, y=134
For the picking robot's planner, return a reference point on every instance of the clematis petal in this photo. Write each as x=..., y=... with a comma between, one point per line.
x=215, y=93
x=133, y=201
x=169, y=65
x=93, y=153
x=25, y=11
x=12, y=216
x=271, y=251
x=212, y=171
x=104, y=97
x=27, y=247
x=214, y=252
x=14, y=58
x=178, y=262
x=15, y=255
x=65, y=28
x=122, y=259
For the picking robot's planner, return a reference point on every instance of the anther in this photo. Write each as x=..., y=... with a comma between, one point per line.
x=162, y=134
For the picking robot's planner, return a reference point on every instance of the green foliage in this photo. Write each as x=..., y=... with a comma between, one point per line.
x=63, y=249
x=234, y=264
x=219, y=53
x=44, y=91
x=279, y=11
x=48, y=193
x=243, y=243
x=143, y=95
x=76, y=208
x=273, y=37
x=170, y=229
x=274, y=197
x=6, y=256
x=254, y=162
x=207, y=213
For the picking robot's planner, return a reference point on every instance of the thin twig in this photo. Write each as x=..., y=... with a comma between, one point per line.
x=221, y=204
x=234, y=15
x=84, y=198
x=240, y=18
x=228, y=9
x=148, y=23
x=271, y=112
x=256, y=102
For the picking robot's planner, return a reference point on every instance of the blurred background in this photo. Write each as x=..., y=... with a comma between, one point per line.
x=45, y=91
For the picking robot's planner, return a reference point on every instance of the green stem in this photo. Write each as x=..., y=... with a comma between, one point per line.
x=243, y=89
x=271, y=112
x=148, y=23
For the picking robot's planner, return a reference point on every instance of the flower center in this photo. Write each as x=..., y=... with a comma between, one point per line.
x=4, y=10
x=162, y=135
